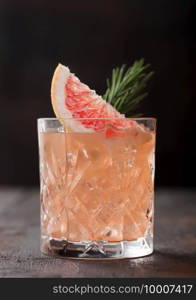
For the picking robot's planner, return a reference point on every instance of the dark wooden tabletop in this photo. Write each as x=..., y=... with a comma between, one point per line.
x=175, y=241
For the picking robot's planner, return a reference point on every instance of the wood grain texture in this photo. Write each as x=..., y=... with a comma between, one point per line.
x=175, y=241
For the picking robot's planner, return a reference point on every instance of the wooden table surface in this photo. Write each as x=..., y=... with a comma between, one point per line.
x=175, y=241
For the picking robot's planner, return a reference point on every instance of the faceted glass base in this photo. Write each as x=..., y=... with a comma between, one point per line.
x=98, y=249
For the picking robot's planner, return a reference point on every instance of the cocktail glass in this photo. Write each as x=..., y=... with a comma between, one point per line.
x=97, y=188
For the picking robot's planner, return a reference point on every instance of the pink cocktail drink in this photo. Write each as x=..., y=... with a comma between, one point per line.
x=97, y=190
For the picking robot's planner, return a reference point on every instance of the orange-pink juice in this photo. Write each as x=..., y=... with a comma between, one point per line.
x=95, y=187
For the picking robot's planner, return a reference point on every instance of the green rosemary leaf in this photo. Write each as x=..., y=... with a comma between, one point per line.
x=134, y=103
x=108, y=83
x=125, y=90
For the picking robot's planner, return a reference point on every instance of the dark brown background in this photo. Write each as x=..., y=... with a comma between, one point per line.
x=92, y=37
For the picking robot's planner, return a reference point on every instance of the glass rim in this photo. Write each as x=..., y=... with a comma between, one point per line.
x=120, y=118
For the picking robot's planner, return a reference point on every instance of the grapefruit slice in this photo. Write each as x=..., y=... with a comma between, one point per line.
x=78, y=107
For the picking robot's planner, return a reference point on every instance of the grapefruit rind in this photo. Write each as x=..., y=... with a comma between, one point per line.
x=58, y=96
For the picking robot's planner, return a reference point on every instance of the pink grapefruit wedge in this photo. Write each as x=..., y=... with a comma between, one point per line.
x=80, y=108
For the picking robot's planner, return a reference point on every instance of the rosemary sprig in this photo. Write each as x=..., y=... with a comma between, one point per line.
x=126, y=88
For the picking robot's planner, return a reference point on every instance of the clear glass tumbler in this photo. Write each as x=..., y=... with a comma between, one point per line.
x=97, y=187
